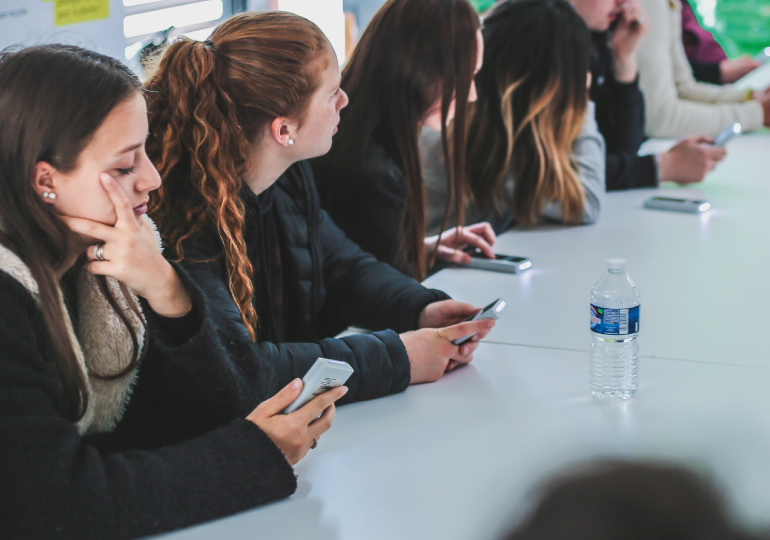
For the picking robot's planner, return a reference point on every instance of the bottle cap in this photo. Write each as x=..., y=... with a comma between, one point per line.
x=616, y=264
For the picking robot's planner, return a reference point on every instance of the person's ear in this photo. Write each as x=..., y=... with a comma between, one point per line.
x=43, y=181
x=281, y=130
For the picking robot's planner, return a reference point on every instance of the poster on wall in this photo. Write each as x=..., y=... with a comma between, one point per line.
x=96, y=24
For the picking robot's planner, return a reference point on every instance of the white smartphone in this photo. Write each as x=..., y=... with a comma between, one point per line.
x=501, y=263
x=322, y=376
x=492, y=311
x=729, y=133
x=693, y=206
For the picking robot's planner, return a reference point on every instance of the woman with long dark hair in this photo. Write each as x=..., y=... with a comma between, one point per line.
x=120, y=414
x=232, y=121
x=534, y=149
x=413, y=67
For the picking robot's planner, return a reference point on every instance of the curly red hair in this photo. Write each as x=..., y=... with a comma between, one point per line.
x=206, y=102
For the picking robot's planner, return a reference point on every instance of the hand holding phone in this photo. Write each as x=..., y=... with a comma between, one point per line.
x=324, y=375
x=728, y=134
x=492, y=311
x=297, y=434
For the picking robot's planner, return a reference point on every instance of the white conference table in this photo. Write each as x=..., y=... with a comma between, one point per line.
x=703, y=278
x=462, y=458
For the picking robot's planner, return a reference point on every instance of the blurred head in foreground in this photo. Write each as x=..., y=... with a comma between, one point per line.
x=629, y=501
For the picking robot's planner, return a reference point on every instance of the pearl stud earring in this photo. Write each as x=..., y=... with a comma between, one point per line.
x=290, y=141
x=49, y=195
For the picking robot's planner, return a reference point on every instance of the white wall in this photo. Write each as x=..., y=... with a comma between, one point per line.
x=32, y=22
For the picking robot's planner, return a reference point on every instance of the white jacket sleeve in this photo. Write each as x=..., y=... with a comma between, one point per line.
x=676, y=105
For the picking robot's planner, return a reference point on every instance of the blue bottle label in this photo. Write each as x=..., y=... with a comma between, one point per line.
x=614, y=322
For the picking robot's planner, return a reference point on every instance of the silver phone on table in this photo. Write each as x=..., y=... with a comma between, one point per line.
x=728, y=134
x=322, y=376
x=693, y=206
x=501, y=263
x=492, y=311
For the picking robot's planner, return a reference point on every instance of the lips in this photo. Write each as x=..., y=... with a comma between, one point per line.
x=141, y=209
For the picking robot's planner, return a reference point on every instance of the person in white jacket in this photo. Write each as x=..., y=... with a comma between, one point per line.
x=676, y=105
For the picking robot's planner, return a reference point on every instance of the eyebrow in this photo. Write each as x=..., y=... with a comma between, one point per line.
x=129, y=149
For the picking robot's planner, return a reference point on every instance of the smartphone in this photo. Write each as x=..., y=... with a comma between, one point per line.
x=492, y=311
x=693, y=206
x=763, y=56
x=501, y=263
x=323, y=376
x=729, y=133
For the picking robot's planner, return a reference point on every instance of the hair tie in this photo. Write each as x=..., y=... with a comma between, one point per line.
x=208, y=44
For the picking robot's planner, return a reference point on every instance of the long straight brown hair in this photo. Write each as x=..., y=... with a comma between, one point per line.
x=53, y=98
x=532, y=99
x=413, y=54
x=206, y=102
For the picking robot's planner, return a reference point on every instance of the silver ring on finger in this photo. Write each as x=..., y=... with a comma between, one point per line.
x=99, y=252
x=315, y=443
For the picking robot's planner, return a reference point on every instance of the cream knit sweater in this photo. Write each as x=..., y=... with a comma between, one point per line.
x=675, y=104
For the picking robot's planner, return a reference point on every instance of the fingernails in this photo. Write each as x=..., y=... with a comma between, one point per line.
x=464, y=350
x=344, y=391
x=295, y=384
x=105, y=178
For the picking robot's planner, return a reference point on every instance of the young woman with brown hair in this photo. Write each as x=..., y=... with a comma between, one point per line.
x=413, y=67
x=120, y=413
x=231, y=122
x=534, y=150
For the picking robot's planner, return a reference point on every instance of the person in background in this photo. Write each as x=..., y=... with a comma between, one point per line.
x=707, y=58
x=617, y=500
x=232, y=121
x=413, y=68
x=676, y=104
x=119, y=415
x=618, y=27
x=534, y=150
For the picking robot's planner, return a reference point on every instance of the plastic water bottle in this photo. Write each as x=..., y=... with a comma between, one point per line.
x=614, y=369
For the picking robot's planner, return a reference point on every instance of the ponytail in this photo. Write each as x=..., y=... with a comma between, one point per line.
x=206, y=102
x=196, y=141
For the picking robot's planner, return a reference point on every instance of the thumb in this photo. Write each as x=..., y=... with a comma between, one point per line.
x=283, y=399
x=463, y=329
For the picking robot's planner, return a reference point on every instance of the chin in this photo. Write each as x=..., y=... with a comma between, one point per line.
x=322, y=149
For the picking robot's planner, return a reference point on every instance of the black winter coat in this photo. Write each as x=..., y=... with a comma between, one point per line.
x=329, y=283
x=182, y=453
x=620, y=117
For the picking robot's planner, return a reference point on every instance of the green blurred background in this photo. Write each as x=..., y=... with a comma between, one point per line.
x=740, y=26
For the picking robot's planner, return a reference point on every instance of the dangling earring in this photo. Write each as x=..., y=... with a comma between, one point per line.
x=290, y=141
x=49, y=195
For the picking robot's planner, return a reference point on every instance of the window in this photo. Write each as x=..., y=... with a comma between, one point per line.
x=146, y=19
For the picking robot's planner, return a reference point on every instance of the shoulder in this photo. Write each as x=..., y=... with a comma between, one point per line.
x=13, y=296
x=380, y=173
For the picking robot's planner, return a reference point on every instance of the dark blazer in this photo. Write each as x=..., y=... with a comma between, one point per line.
x=620, y=116
x=182, y=453
x=329, y=283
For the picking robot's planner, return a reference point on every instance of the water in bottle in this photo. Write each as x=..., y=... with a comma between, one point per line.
x=614, y=368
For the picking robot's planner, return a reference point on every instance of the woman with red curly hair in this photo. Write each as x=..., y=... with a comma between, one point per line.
x=232, y=121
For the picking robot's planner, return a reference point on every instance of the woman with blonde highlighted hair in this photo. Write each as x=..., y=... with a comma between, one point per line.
x=534, y=150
